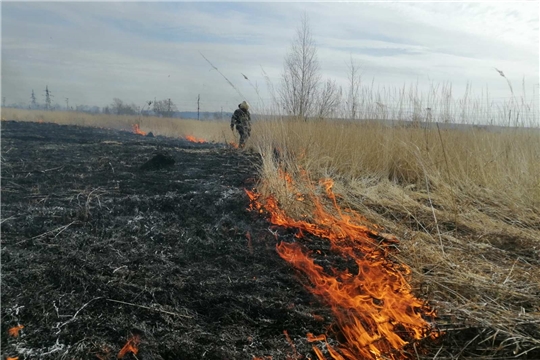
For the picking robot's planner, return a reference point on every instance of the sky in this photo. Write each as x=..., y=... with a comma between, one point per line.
x=92, y=52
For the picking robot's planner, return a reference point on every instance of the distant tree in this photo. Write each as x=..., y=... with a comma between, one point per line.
x=354, y=89
x=301, y=75
x=118, y=107
x=329, y=99
x=165, y=108
x=48, y=96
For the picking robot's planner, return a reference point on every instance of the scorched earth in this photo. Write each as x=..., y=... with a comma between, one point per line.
x=109, y=250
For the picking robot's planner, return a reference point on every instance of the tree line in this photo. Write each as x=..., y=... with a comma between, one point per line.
x=162, y=108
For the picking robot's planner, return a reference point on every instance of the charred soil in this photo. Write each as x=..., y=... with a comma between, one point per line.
x=98, y=247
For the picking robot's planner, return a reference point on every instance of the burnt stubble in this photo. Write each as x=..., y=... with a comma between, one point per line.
x=96, y=249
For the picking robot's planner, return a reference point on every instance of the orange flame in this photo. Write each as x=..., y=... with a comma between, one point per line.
x=312, y=338
x=132, y=346
x=233, y=145
x=137, y=130
x=289, y=340
x=14, y=331
x=191, y=138
x=12, y=358
x=373, y=304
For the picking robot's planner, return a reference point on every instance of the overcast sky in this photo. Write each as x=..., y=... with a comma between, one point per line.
x=95, y=51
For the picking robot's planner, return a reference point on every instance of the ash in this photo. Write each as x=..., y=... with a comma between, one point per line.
x=96, y=250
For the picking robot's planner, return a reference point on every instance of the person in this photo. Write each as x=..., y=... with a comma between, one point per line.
x=242, y=119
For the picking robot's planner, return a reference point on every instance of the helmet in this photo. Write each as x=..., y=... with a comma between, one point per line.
x=244, y=105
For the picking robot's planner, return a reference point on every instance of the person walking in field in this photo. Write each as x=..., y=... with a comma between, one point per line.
x=242, y=119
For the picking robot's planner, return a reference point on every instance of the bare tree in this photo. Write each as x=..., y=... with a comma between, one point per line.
x=329, y=99
x=165, y=108
x=301, y=75
x=118, y=107
x=353, y=94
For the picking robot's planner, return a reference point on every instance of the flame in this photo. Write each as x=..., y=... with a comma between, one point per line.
x=233, y=145
x=14, y=331
x=312, y=338
x=132, y=346
x=373, y=304
x=289, y=340
x=137, y=130
x=12, y=358
x=191, y=138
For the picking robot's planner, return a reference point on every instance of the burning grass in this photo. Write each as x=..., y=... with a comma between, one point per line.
x=465, y=205
x=373, y=305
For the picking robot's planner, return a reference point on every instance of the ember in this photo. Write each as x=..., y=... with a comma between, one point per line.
x=132, y=346
x=191, y=138
x=374, y=307
x=14, y=331
x=137, y=130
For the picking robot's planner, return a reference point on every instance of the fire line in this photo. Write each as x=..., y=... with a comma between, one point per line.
x=373, y=306
x=193, y=139
x=137, y=130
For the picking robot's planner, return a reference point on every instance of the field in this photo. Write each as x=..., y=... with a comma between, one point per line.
x=462, y=205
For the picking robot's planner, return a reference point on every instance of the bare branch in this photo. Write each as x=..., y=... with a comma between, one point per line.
x=301, y=74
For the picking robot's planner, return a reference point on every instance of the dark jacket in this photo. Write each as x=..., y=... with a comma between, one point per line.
x=241, y=118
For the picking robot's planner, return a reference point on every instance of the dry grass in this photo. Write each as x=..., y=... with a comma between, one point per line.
x=218, y=131
x=465, y=204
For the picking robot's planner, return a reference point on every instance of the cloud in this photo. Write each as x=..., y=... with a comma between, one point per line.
x=92, y=52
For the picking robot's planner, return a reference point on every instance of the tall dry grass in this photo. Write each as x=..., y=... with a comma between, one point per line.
x=464, y=202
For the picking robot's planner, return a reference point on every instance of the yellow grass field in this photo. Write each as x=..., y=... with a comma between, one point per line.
x=465, y=204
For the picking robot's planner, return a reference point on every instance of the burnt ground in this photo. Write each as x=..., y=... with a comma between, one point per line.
x=97, y=248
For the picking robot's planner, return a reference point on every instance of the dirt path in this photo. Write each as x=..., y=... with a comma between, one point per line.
x=95, y=250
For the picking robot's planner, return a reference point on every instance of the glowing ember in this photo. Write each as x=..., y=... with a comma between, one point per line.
x=137, y=130
x=132, y=346
x=373, y=305
x=194, y=139
x=14, y=331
